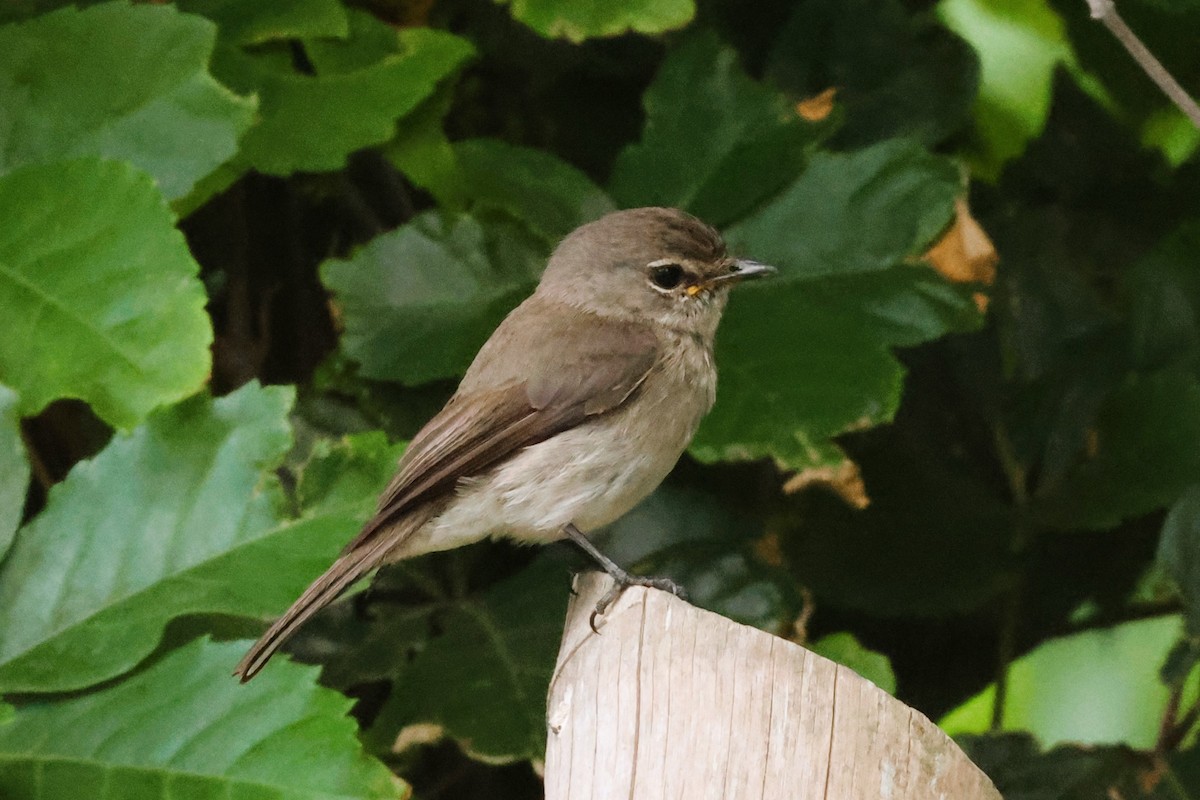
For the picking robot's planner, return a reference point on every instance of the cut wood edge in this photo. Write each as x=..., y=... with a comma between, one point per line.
x=670, y=701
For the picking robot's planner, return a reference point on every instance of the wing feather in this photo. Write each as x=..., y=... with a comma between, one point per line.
x=480, y=427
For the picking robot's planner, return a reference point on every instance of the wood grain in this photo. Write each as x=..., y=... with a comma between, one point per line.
x=669, y=701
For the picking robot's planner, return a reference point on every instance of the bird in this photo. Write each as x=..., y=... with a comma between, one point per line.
x=574, y=410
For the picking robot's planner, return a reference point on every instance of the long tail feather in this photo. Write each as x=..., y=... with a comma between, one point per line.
x=324, y=590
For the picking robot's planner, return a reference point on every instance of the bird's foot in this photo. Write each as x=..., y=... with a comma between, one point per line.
x=623, y=581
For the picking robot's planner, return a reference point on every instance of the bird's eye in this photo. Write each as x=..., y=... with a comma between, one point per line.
x=666, y=276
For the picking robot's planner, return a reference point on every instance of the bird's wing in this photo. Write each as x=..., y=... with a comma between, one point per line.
x=586, y=375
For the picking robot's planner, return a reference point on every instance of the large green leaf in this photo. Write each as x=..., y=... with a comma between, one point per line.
x=807, y=355
x=1145, y=454
x=164, y=113
x=578, y=21
x=853, y=212
x=312, y=122
x=14, y=469
x=715, y=143
x=1097, y=687
x=897, y=73
x=86, y=588
x=484, y=680
x=1179, y=553
x=537, y=188
x=803, y=361
x=418, y=302
x=186, y=728
x=98, y=292
x=256, y=23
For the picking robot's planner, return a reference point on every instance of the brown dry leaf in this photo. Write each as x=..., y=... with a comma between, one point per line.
x=335, y=316
x=767, y=550
x=845, y=480
x=965, y=254
x=817, y=107
x=799, y=631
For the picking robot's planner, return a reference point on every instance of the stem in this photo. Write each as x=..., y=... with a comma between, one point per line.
x=1106, y=12
x=1022, y=532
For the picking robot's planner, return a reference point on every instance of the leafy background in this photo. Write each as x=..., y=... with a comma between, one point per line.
x=247, y=248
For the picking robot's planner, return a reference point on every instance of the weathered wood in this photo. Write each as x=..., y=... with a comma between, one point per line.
x=669, y=701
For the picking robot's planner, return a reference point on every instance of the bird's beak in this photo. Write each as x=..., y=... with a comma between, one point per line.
x=742, y=271
x=747, y=270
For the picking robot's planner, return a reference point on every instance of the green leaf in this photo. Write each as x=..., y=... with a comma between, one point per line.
x=98, y=292
x=418, y=302
x=578, y=21
x=533, y=186
x=715, y=143
x=257, y=23
x=897, y=73
x=185, y=728
x=484, y=680
x=1145, y=454
x=804, y=360
x=807, y=355
x=311, y=123
x=422, y=151
x=1179, y=553
x=849, y=652
x=346, y=476
x=854, y=212
x=1164, y=314
x=1019, y=44
x=14, y=468
x=165, y=113
x=89, y=584
x=1097, y=687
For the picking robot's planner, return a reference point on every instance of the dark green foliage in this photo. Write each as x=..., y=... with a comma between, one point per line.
x=247, y=248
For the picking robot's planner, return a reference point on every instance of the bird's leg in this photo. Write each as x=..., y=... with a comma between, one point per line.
x=622, y=579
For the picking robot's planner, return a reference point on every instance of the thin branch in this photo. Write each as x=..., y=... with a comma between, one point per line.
x=1106, y=12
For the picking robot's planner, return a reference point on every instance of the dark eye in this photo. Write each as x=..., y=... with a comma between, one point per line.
x=666, y=276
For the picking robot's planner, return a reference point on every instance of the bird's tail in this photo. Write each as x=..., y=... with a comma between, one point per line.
x=352, y=565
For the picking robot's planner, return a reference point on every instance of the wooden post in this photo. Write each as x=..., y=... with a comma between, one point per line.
x=674, y=703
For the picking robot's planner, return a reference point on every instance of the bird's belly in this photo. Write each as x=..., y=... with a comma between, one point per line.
x=589, y=475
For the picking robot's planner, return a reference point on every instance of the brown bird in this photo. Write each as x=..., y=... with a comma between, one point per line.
x=572, y=412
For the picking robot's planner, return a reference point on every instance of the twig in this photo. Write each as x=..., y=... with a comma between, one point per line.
x=1013, y=604
x=1106, y=12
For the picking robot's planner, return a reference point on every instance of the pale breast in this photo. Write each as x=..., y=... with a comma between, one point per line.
x=594, y=473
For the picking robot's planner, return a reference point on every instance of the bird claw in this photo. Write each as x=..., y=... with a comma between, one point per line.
x=621, y=584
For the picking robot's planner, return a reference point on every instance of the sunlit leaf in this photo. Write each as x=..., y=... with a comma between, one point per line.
x=578, y=21
x=186, y=728
x=165, y=114
x=91, y=581
x=1096, y=687
x=98, y=292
